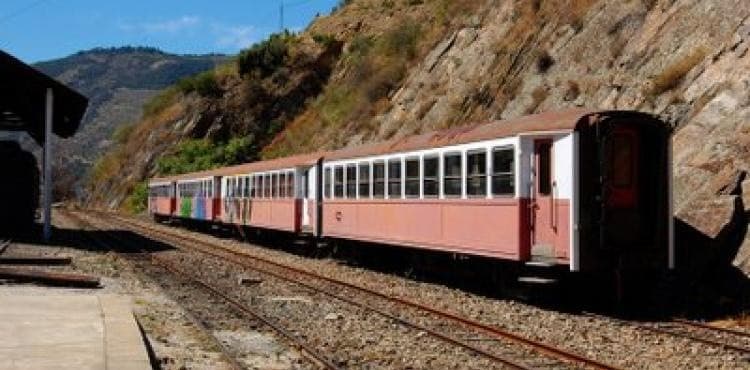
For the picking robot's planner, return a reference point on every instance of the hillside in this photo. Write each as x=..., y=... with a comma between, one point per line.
x=378, y=69
x=117, y=82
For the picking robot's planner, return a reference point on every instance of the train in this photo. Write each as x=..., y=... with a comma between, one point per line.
x=585, y=190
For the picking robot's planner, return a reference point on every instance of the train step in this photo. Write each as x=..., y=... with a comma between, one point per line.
x=540, y=262
x=537, y=280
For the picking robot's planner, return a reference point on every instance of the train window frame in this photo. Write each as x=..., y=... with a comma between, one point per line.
x=350, y=189
x=482, y=175
x=410, y=180
x=338, y=182
x=457, y=178
x=364, y=181
x=327, y=182
x=392, y=180
x=434, y=178
x=378, y=183
x=290, y=181
x=510, y=174
x=268, y=186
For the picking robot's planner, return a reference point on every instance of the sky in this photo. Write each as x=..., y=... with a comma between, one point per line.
x=37, y=30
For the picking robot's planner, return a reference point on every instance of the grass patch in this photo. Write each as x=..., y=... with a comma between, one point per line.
x=673, y=75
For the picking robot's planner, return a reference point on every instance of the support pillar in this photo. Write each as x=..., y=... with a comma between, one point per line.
x=48, y=114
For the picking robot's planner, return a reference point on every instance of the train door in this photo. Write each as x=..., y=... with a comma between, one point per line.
x=304, y=193
x=620, y=211
x=542, y=203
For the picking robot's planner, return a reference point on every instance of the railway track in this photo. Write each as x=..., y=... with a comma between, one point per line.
x=555, y=357
x=4, y=244
x=694, y=331
x=313, y=355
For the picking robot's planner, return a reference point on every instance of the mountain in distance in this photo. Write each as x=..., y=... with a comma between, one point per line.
x=117, y=81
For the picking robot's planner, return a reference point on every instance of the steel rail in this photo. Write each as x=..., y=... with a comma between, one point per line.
x=661, y=330
x=712, y=327
x=314, y=354
x=495, y=331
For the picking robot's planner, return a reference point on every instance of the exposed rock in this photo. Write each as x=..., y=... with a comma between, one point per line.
x=713, y=217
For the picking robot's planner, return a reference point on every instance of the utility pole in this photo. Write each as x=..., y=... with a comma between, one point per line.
x=281, y=16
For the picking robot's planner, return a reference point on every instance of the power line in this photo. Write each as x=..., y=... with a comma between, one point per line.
x=18, y=12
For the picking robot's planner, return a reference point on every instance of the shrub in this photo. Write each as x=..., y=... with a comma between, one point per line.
x=544, y=62
x=402, y=40
x=122, y=133
x=324, y=39
x=203, y=83
x=137, y=201
x=203, y=154
x=264, y=58
x=673, y=75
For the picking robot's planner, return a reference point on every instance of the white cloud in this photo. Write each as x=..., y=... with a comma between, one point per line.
x=237, y=37
x=171, y=26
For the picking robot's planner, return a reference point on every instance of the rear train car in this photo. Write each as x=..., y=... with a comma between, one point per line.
x=588, y=190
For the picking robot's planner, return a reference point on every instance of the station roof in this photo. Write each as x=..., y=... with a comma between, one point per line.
x=23, y=96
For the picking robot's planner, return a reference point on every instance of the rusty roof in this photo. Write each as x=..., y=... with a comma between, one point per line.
x=565, y=120
x=247, y=168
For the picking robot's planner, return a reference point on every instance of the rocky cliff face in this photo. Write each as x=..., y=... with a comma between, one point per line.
x=684, y=60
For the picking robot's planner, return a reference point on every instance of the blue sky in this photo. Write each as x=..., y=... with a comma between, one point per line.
x=36, y=30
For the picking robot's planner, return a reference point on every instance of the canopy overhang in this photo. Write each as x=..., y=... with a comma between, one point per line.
x=23, y=94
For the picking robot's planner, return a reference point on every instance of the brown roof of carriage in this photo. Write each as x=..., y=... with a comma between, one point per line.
x=565, y=120
x=246, y=168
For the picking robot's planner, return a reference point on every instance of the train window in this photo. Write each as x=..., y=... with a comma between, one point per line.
x=394, y=178
x=364, y=180
x=338, y=182
x=545, y=168
x=378, y=175
x=622, y=161
x=503, y=181
x=282, y=186
x=476, y=173
x=327, y=183
x=351, y=181
x=412, y=178
x=290, y=193
x=452, y=174
x=430, y=177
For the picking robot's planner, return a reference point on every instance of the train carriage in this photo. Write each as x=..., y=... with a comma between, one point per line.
x=161, y=198
x=584, y=189
x=276, y=194
x=198, y=198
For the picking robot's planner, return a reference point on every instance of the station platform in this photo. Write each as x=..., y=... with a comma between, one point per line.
x=70, y=332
